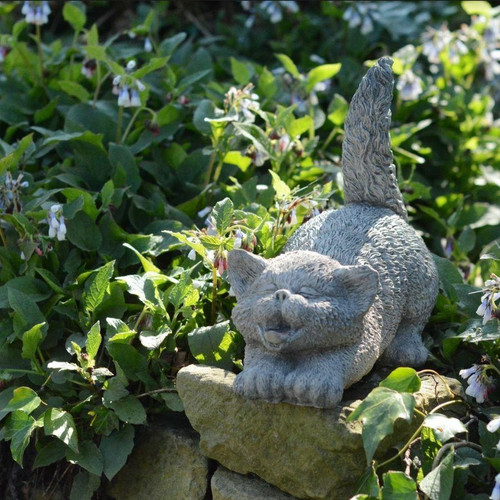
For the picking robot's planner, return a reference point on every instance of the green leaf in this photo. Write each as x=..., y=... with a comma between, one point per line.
x=437, y=485
x=133, y=364
x=267, y=84
x=13, y=158
x=402, y=380
x=52, y=452
x=444, y=427
x=173, y=401
x=46, y=112
x=115, y=450
x=24, y=399
x=88, y=457
x=288, y=64
x=129, y=410
x=477, y=8
x=97, y=52
x=378, y=413
x=205, y=109
x=84, y=486
x=74, y=16
x=114, y=390
x=321, y=73
x=18, y=429
x=280, y=188
x=96, y=287
x=31, y=340
x=63, y=366
x=223, y=214
x=398, y=486
x=152, y=340
x=5, y=396
x=212, y=345
x=154, y=64
x=369, y=483
x=300, y=125
x=337, y=111
x=83, y=233
x=75, y=90
x=28, y=312
x=93, y=341
x=241, y=72
x=121, y=157
x=60, y=424
x=147, y=265
x=448, y=276
x=236, y=158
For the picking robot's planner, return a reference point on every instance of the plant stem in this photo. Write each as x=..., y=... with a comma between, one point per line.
x=139, y=319
x=214, y=296
x=218, y=170
x=448, y=390
x=157, y=391
x=210, y=168
x=40, y=54
x=98, y=86
x=453, y=446
x=119, y=125
x=129, y=127
x=404, y=448
x=2, y=237
x=19, y=370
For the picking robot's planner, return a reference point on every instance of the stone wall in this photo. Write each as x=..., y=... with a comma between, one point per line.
x=252, y=450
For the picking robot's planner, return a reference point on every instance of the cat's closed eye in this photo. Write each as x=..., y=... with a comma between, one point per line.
x=308, y=292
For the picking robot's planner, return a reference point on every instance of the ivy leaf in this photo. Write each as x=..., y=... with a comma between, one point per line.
x=52, y=452
x=84, y=486
x=116, y=448
x=378, y=412
x=24, y=399
x=18, y=428
x=223, y=213
x=402, y=380
x=60, y=424
x=129, y=410
x=437, y=485
x=398, y=486
x=88, y=457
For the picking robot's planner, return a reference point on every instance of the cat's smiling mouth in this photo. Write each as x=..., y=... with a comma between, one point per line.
x=277, y=336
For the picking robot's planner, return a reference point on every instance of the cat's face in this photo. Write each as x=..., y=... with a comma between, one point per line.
x=299, y=300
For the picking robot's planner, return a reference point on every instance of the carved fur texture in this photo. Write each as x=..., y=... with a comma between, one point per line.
x=353, y=285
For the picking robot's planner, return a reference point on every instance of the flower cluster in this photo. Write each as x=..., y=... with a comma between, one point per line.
x=488, y=308
x=495, y=494
x=89, y=67
x=489, y=46
x=242, y=101
x=36, y=12
x=127, y=88
x=480, y=384
x=272, y=9
x=57, y=226
x=361, y=14
x=409, y=85
x=10, y=200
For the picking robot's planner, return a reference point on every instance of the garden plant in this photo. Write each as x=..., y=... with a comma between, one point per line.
x=142, y=141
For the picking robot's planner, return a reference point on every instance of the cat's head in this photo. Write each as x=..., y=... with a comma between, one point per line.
x=299, y=300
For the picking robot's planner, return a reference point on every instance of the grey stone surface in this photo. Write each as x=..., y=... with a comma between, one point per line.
x=354, y=285
x=166, y=464
x=227, y=485
x=309, y=453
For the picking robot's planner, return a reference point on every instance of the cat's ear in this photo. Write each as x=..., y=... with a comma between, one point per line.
x=243, y=268
x=359, y=284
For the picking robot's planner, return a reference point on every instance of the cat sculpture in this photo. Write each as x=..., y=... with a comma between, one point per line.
x=353, y=286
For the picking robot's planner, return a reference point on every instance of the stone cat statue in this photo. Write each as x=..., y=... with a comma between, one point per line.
x=353, y=285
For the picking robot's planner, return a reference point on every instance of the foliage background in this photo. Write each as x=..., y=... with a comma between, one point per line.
x=241, y=111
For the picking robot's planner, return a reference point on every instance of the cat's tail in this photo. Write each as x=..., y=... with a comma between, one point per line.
x=369, y=174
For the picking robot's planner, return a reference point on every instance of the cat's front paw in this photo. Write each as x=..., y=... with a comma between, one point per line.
x=259, y=383
x=307, y=388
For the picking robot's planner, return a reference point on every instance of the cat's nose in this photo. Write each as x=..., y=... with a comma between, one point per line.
x=282, y=294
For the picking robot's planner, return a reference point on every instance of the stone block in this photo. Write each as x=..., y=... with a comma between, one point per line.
x=227, y=485
x=166, y=464
x=307, y=452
